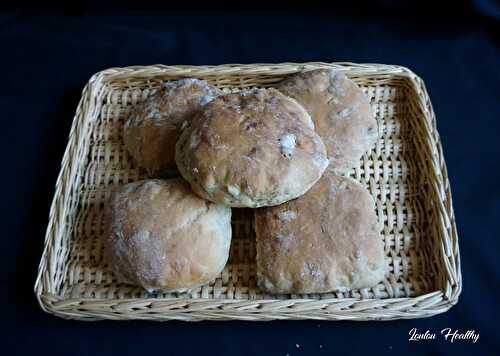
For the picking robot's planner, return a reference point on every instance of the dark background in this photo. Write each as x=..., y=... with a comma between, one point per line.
x=48, y=51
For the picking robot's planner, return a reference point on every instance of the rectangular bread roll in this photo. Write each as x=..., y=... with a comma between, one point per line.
x=327, y=240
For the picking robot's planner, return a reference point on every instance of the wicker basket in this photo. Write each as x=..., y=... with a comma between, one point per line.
x=405, y=172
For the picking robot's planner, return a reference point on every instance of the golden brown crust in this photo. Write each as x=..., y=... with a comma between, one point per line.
x=326, y=240
x=250, y=149
x=341, y=113
x=152, y=129
x=162, y=236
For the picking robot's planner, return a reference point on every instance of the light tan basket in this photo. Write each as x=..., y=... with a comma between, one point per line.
x=405, y=172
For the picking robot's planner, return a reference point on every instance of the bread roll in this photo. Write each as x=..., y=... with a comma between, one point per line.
x=341, y=113
x=326, y=240
x=162, y=236
x=251, y=149
x=152, y=129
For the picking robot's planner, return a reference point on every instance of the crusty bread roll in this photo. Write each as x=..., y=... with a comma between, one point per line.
x=341, y=113
x=326, y=240
x=251, y=149
x=152, y=128
x=162, y=236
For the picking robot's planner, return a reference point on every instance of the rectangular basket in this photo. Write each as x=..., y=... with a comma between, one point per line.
x=405, y=172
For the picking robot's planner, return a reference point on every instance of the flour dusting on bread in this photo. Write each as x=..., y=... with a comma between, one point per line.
x=153, y=127
x=341, y=113
x=287, y=215
x=162, y=236
x=331, y=244
x=251, y=149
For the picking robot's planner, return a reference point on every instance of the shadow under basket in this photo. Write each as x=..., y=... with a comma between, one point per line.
x=405, y=172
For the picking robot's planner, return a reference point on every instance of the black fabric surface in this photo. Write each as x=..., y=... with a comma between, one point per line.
x=46, y=59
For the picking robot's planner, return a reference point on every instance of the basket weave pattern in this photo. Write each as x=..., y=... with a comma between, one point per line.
x=405, y=173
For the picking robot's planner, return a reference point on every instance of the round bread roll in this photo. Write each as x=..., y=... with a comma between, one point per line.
x=162, y=236
x=327, y=240
x=341, y=113
x=251, y=149
x=152, y=129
